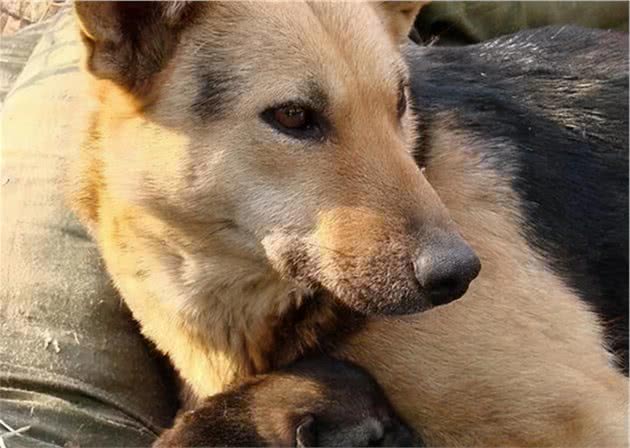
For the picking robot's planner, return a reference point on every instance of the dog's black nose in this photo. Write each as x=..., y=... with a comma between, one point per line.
x=445, y=268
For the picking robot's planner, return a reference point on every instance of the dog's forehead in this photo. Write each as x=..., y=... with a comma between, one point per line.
x=339, y=40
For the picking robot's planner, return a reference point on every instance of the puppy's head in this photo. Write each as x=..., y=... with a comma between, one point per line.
x=316, y=402
x=326, y=402
x=284, y=130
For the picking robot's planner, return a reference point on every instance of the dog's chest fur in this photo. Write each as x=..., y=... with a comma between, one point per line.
x=221, y=319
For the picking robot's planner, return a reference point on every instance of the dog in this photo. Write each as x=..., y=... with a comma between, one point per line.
x=257, y=198
x=579, y=225
x=318, y=401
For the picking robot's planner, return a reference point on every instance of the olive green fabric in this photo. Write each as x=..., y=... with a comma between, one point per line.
x=73, y=365
x=14, y=52
x=463, y=22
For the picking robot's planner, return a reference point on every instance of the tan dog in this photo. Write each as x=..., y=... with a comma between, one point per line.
x=248, y=162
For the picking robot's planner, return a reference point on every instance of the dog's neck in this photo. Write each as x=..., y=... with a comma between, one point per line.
x=234, y=342
x=218, y=317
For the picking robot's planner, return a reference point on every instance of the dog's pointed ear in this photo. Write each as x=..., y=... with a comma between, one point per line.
x=128, y=42
x=399, y=17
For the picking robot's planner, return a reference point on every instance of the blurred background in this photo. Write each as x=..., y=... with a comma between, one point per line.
x=460, y=23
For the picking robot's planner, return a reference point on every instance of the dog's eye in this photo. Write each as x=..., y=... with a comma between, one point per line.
x=402, y=101
x=295, y=120
x=291, y=117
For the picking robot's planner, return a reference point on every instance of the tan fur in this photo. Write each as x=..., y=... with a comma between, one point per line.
x=212, y=239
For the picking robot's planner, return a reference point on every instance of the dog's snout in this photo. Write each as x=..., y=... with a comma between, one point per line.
x=445, y=268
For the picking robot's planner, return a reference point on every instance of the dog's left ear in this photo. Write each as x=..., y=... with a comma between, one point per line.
x=399, y=17
x=128, y=42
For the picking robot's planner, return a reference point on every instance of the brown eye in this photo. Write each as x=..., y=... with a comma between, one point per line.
x=296, y=120
x=291, y=117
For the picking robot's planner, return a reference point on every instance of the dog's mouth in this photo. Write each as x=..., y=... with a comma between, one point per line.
x=375, y=305
x=408, y=304
x=383, y=284
x=390, y=299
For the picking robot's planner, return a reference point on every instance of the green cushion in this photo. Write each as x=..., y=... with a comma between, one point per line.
x=72, y=363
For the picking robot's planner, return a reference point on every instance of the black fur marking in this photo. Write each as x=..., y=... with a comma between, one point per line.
x=216, y=91
x=552, y=104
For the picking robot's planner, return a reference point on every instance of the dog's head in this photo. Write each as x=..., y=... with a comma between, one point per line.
x=284, y=131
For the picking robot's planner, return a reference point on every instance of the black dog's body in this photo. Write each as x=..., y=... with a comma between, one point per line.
x=315, y=402
x=551, y=106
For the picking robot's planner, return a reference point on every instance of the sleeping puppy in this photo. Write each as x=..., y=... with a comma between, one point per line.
x=315, y=402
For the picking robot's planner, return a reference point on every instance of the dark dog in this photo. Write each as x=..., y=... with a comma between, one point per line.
x=551, y=108
x=316, y=402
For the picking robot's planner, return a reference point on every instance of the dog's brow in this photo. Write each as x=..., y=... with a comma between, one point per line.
x=216, y=90
x=315, y=96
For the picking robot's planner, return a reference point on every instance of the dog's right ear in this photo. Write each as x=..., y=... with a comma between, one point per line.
x=398, y=16
x=129, y=42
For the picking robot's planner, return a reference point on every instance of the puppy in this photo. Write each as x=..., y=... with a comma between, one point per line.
x=315, y=402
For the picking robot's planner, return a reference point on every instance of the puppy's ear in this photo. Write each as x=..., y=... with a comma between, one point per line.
x=306, y=432
x=399, y=17
x=129, y=42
